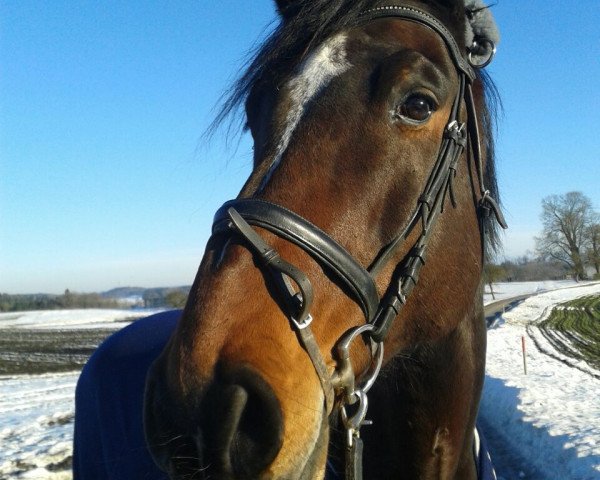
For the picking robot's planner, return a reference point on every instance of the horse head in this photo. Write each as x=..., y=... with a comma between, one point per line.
x=373, y=167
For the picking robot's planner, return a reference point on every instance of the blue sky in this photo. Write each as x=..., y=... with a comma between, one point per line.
x=106, y=180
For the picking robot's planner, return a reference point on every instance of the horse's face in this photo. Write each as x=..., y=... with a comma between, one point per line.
x=347, y=141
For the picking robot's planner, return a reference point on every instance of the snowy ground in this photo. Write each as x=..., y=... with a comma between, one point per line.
x=549, y=419
x=37, y=425
x=551, y=416
x=36, y=410
x=515, y=289
x=71, y=319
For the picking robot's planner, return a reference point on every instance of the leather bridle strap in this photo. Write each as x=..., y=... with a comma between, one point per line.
x=439, y=186
x=487, y=203
x=452, y=145
x=297, y=303
x=411, y=13
x=299, y=231
x=242, y=215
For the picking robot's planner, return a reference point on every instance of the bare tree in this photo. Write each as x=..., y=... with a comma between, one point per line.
x=593, y=253
x=566, y=220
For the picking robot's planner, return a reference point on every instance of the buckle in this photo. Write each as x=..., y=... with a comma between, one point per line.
x=456, y=131
x=302, y=324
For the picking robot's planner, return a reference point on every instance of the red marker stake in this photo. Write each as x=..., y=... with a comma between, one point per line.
x=524, y=354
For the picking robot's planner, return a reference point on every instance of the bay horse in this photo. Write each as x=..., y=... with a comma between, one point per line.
x=373, y=170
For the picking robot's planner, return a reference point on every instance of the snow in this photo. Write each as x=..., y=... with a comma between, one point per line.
x=72, y=319
x=506, y=290
x=37, y=423
x=549, y=418
x=37, y=411
x=551, y=415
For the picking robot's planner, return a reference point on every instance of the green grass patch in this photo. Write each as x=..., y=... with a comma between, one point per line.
x=573, y=328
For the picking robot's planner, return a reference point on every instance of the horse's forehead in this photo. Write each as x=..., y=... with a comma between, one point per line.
x=327, y=62
x=342, y=51
x=337, y=54
x=330, y=60
x=311, y=77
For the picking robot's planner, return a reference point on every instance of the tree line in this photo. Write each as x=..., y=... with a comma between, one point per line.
x=68, y=300
x=527, y=268
x=165, y=297
x=151, y=298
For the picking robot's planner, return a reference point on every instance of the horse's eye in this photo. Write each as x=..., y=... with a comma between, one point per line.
x=416, y=109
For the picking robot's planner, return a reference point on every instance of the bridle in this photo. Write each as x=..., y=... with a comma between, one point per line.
x=239, y=217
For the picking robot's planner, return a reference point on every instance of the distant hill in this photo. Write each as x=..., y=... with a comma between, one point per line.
x=149, y=297
x=124, y=292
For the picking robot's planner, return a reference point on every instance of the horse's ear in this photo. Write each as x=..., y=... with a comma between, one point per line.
x=481, y=33
x=479, y=30
x=287, y=8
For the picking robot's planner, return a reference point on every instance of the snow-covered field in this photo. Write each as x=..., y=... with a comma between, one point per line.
x=515, y=289
x=37, y=424
x=36, y=410
x=549, y=417
x=71, y=319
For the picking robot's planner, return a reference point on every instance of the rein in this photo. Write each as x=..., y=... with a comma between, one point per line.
x=238, y=217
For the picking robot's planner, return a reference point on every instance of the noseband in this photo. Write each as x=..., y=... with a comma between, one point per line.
x=239, y=217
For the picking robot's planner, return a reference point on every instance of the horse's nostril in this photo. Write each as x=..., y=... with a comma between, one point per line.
x=243, y=426
x=234, y=429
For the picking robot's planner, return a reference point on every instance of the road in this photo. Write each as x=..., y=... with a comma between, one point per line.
x=495, y=309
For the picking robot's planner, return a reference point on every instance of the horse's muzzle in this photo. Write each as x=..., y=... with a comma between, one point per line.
x=232, y=429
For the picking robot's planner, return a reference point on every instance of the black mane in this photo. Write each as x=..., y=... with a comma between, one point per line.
x=308, y=23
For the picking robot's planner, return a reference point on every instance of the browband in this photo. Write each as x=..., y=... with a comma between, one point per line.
x=418, y=16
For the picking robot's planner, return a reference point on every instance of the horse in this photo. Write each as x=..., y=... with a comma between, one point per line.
x=373, y=171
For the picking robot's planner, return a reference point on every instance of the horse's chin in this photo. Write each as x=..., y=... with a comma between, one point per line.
x=314, y=463
x=311, y=465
